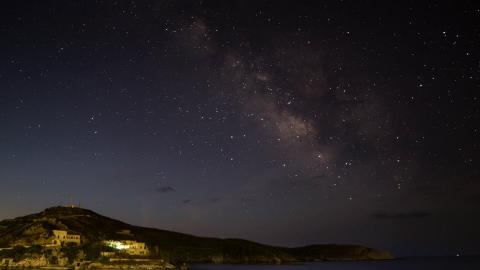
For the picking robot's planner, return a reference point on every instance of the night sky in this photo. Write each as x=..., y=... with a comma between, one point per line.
x=283, y=122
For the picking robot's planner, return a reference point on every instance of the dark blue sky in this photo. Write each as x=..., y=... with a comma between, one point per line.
x=287, y=123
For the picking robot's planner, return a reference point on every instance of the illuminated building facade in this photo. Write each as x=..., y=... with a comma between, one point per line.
x=130, y=247
x=63, y=237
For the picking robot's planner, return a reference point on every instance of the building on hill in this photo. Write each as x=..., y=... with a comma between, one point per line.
x=63, y=237
x=107, y=254
x=131, y=247
x=6, y=262
x=124, y=232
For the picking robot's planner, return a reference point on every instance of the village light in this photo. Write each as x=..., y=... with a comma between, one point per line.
x=117, y=245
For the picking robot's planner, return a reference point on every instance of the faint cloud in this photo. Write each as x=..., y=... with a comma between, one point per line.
x=165, y=189
x=401, y=215
x=475, y=198
x=215, y=200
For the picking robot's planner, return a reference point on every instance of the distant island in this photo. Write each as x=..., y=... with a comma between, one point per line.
x=72, y=237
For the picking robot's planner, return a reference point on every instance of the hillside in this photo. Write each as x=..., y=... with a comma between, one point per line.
x=36, y=229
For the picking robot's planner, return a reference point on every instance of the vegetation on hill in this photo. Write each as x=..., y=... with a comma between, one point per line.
x=35, y=229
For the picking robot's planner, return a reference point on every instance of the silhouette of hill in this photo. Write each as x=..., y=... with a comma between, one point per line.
x=36, y=229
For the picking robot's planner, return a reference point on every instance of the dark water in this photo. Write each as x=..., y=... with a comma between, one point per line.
x=461, y=263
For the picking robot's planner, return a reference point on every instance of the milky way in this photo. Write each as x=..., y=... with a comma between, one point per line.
x=286, y=123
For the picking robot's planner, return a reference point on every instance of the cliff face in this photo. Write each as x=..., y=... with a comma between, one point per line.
x=36, y=229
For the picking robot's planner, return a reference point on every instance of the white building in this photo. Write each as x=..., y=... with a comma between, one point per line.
x=63, y=237
x=130, y=247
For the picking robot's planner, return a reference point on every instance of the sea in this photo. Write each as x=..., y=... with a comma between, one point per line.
x=433, y=263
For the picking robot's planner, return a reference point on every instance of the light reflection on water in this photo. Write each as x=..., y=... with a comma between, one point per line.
x=462, y=263
x=465, y=263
